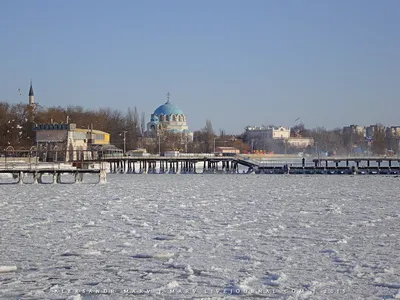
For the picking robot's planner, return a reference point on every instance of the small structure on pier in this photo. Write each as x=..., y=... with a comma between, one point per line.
x=226, y=151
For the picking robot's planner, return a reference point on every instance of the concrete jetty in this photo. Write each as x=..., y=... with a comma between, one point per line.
x=54, y=171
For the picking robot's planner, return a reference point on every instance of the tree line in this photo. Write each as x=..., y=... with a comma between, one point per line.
x=339, y=142
x=16, y=128
x=16, y=131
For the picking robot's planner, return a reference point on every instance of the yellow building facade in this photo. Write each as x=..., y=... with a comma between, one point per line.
x=65, y=142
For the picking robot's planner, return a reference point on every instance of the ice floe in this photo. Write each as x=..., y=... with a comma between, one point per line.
x=5, y=269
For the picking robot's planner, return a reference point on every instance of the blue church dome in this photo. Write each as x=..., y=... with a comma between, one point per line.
x=168, y=109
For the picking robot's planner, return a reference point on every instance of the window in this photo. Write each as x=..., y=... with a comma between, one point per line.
x=79, y=136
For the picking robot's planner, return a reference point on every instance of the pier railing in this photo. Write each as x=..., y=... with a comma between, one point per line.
x=35, y=166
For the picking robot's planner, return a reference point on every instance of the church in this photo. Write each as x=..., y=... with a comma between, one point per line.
x=170, y=118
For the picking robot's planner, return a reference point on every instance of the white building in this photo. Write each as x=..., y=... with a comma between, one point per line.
x=393, y=138
x=300, y=142
x=67, y=143
x=355, y=129
x=275, y=139
x=268, y=133
x=370, y=130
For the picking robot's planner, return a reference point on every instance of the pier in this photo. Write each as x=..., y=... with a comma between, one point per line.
x=336, y=165
x=358, y=161
x=20, y=172
x=171, y=165
x=196, y=163
x=230, y=165
x=328, y=170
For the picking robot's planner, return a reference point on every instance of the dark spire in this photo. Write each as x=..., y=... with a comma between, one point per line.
x=31, y=90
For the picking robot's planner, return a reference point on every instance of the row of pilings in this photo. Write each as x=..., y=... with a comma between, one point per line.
x=56, y=176
x=318, y=163
x=172, y=166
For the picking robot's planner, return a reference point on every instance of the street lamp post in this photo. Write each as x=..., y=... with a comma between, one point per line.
x=214, y=144
x=186, y=142
x=159, y=144
x=124, y=133
x=285, y=144
x=55, y=150
x=369, y=140
x=37, y=154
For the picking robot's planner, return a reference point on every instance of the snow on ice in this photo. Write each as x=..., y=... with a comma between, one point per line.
x=212, y=236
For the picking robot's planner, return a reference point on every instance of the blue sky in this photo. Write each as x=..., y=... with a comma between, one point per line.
x=237, y=63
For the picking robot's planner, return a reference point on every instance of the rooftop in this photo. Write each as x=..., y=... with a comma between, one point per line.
x=168, y=109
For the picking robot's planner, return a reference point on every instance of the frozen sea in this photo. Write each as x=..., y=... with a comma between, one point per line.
x=202, y=237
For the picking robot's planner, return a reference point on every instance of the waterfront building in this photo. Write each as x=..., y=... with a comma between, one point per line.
x=300, y=142
x=355, y=130
x=268, y=133
x=65, y=142
x=393, y=138
x=227, y=151
x=370, y=130
x=355, y=138
x=276, y=139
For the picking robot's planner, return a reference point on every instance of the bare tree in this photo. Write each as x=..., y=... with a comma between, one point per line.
x=209, y=136
x=143, y=124
x=131, y=128
x=137, y=122
x=299, y=130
